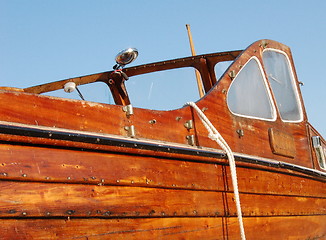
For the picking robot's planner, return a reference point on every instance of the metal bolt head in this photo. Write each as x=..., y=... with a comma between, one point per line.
x=189, y=124
x=153, y=121
x=232, y=74
x=240, y=132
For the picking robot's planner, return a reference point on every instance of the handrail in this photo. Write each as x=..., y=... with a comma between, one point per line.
x=132, y=71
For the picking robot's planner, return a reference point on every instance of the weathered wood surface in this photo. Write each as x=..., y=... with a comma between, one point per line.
x=307, y=227
x=26, y=163
x=44, y=200
x=169, y=126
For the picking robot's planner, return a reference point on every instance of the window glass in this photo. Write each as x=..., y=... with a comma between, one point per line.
x=282, y=83
x=163, y=90
x=93, y=92
x=220, y=68
x=248, y=94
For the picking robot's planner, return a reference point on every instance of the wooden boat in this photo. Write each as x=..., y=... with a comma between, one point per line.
x=73, y=169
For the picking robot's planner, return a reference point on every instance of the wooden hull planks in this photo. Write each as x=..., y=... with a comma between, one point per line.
x=306, y=227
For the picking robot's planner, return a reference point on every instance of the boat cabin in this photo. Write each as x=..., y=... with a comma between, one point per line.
x=256, y=105
x=73, y=168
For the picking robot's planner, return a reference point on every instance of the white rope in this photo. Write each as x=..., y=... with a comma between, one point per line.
x=216, y=136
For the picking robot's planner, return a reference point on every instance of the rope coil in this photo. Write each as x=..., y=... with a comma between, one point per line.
x=216, y=136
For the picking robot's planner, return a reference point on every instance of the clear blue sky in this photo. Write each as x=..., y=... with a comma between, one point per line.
x=43, y=40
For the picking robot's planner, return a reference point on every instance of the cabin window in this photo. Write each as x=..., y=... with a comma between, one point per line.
x=248, y=95
x=220, y=68
x=163, y=90
x=281, y=79
x=92, y=92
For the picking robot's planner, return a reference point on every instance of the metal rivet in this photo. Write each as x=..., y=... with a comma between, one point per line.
x=68, y=178
x=24, y=175
x=204, y=109
x=107, y=213
x=178, y=118
x=132, y=181
x=69, y=212
x=232, y=74
x=118, y=181
x=47, y=178
x=240, y=132
x=153, y=121
x=93, y=178
x=263, y=44
x=24, y=213
x=189, y=124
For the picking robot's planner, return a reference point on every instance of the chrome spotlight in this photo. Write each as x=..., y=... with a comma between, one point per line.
x=125, y=57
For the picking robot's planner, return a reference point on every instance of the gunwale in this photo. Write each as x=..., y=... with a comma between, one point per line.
x=148, y=147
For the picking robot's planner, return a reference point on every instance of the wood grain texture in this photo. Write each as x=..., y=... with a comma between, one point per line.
x=308, y=227
x=282, y=143
x=66, y=188
x=26, y=163
x=45, y=200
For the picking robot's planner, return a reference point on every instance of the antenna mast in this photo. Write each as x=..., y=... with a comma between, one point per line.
x=198, y=78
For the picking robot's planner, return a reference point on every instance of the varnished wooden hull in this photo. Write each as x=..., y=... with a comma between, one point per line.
x=305, y=227
x=51, y=192
x=74, y=169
